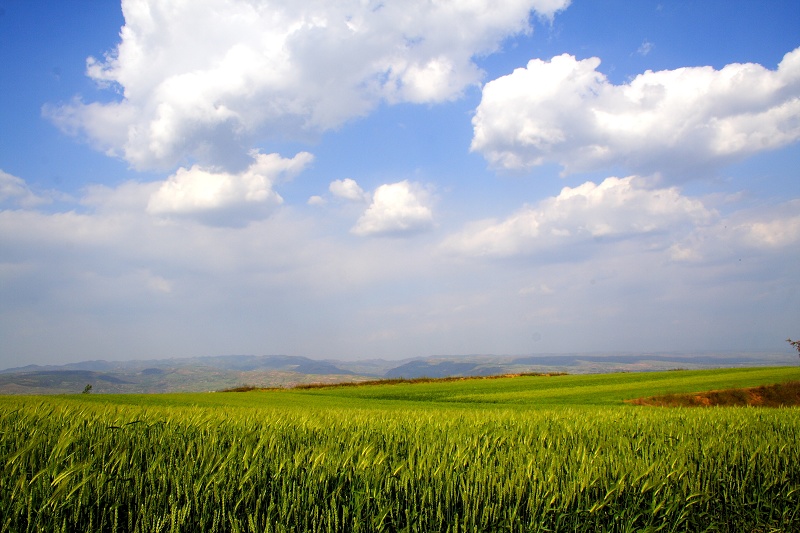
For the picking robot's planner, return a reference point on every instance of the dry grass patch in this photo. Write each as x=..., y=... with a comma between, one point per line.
x=779, y=395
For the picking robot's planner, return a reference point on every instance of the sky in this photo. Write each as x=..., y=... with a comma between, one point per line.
x=393, y=179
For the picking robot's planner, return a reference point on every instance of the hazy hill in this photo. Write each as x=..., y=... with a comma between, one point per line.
x=220, y=372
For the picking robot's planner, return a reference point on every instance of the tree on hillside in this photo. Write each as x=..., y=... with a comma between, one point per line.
x=796, y=345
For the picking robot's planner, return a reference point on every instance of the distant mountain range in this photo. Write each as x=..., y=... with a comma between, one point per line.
x=221, y=372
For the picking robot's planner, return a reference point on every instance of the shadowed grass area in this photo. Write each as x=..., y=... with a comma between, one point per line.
x=777, y=395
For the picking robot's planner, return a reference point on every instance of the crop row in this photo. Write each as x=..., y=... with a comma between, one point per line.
x=74, y=466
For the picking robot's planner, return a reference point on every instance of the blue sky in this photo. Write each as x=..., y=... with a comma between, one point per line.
x=397, y=179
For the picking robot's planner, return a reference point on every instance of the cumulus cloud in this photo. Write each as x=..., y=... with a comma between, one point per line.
x=223, y=198
x=566, y=111
x=617, y=208
x=397, y=209
x=200, y=80
x=102, y=278
x=348, y=189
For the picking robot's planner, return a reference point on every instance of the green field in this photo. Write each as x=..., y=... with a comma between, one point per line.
x=558, y=453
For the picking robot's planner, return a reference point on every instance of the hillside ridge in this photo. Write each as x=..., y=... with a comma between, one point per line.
x=197, y=374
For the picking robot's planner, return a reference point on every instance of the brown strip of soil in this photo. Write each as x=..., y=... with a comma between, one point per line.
x=778, y=395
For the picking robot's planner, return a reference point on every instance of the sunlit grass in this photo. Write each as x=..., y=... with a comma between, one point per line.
x=523, y=454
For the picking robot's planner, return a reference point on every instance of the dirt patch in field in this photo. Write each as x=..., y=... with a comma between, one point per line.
x=778, y=395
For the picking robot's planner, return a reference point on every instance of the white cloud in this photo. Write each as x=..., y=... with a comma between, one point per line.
x=113, y=281
x=397, y=209
x=676, y=121
x=128, y=197
x=774, y=233
x=681, y=253
x=771, y=230
x=14, y=189
x=541, y=289
x=348, y=189
x=645, y=48
x=225, y=198
x=617, y=208
x=202, y=79
x=154, y=282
